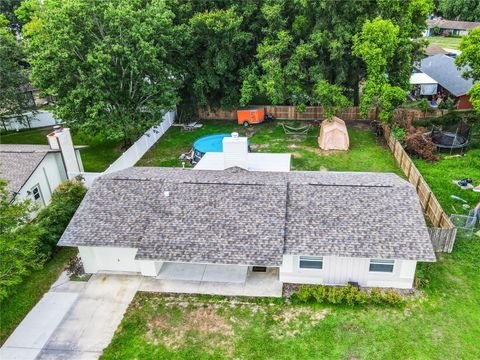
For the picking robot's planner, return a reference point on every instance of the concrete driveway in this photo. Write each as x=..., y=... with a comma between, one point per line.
x=73, y=325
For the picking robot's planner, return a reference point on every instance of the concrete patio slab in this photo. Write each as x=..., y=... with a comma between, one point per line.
x=255, y=284
x=180, y=271
x=225, y=273
x=34, y=331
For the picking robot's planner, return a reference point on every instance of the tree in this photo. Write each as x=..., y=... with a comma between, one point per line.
x=466, y=10
x=53, y=219
x=470, y=58
x=376, y=46
x=13, y=77
x=7, y=9
x=108, y=64
x=18, y=241
x=330, y=97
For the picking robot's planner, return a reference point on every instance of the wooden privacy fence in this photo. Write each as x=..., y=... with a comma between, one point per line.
x=443, y=232
x=315, y=113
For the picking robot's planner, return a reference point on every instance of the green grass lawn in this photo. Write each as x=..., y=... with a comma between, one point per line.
x=25, y=295
x=96, y=158
x=365, y=154
x=445, y=42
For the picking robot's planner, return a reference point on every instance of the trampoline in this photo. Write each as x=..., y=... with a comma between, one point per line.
x=450, y=140
x=209, y=143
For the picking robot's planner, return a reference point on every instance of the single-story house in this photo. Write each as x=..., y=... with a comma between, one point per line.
x=34, y=171
x=312, y=227
x=443, y=70
x=450, y=27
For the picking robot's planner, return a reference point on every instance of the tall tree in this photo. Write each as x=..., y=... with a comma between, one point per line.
x=466, y=10
x=469, y=62
x=13, y=77
x=108, y=64
x=376, y=46
x=7, y=9
x=18, y=241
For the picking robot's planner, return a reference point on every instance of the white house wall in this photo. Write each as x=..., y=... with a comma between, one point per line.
x=99, y=259
x=341, y=270
x=48, y=175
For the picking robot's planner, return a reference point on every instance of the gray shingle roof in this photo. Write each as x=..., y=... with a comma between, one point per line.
x=17, y=163
x=452, y=24
x=442, y=68
x=240, y=217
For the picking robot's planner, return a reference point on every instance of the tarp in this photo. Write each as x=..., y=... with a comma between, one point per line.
x=421, y=79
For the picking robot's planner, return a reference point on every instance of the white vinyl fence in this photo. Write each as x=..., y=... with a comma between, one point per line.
x=29, y=120
x=137, y=150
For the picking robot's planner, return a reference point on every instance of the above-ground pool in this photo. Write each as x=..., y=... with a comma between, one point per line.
x=210, y=143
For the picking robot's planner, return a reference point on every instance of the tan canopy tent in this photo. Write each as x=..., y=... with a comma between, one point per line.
x=333, y=135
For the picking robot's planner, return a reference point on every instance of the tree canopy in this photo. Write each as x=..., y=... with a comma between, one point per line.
x=469, y=61
x=108, y=64
x=13, y=77
x=466, y=10
x=113, y=65
x=18, y=241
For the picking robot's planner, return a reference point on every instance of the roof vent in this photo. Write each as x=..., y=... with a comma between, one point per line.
x=166, y=193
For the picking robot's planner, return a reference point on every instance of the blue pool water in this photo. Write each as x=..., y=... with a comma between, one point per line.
x=210, y=143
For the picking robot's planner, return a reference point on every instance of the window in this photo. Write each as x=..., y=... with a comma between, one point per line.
x=37, y=195
x=311, y=262
x=378, y=265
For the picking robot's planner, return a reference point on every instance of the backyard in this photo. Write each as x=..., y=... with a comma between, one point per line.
x=445, y=42
x=96, y=158
x=433, y=322
x=365, y=154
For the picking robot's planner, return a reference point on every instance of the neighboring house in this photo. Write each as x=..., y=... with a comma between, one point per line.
x=433, y=49
x=310, y=227
x=450, y=27
x=34, y=171
x=443, y=70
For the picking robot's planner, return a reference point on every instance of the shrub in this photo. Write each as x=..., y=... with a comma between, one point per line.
x=350, y=294
x=335, y=295
x=421, y=146
x=376, y=296
x=53, y=219
x=361, y=297
x=392, y=297
x=304, y=293
x=319, y=293
x=399, y=133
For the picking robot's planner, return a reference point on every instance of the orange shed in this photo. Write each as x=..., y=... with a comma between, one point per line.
x=249, y=116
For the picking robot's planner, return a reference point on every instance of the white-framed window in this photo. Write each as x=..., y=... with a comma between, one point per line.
x=379, y=265
x=311, y=262
x=37, y=195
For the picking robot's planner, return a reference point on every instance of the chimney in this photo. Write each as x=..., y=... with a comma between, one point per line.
x=235, y=151
x=60, y=139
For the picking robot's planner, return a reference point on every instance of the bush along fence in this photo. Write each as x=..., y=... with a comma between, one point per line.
x=443, y=231
x=316, y=113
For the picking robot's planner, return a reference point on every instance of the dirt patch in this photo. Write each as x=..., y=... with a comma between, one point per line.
x=204, y=323
x=292, y=321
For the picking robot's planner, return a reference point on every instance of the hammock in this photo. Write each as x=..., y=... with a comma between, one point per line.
x=290, y=130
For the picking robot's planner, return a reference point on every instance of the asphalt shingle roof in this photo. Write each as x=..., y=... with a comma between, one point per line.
x=453, y=24
x=251, y=218
x=442, y=68
x=17, y=163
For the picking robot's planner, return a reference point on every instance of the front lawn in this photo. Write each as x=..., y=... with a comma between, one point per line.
x=445, y=42
x=441, y=323
x=25, y=295
x=365, y=154
x=96, y=158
